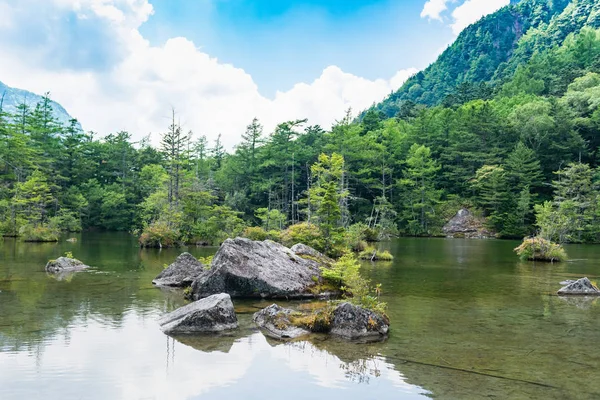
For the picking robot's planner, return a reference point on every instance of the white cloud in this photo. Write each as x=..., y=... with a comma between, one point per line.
x=472, y=11
x=122, y=82
x=468, y=12
x=433, y=9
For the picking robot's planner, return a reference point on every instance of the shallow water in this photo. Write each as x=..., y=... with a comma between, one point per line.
x=468, y=321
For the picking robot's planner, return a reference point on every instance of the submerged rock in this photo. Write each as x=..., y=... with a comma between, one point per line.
x=582, y=286
x=275, y=322
x=181, y=273
x=465, y=225
x=211, y=314
x=245, y=268
x=354, y=322
x=65, y=264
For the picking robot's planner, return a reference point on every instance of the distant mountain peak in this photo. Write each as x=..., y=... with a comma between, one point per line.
x=13, y=97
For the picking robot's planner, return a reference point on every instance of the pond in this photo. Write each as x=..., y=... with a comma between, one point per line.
x=468, y=321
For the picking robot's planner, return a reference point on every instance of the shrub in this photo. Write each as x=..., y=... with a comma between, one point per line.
x=31, y=233
x=255, y=233
x=308, y=234
x=158, y=235
x=540, y=249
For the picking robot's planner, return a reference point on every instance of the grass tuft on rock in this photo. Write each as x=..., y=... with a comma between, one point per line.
x=540, y=249
x=372, y=254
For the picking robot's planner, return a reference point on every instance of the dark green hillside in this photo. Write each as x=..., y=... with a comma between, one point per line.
x=483, y=52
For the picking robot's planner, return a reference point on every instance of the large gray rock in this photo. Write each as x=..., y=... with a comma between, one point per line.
x=465, y=225
x=245, y=268
x=181, y=273
x=212, y=314
x=63, y=265
x=582, y=286
x=353, y=322
x=275, y=322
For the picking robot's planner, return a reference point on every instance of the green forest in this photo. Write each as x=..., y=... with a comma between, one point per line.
x=514, y=138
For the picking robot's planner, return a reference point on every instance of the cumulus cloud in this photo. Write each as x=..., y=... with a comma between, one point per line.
x=433, y=9
x=472, y=11
x=94, y=61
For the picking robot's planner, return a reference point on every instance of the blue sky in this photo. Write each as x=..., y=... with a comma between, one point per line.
x=283, y=42
x=124, y=64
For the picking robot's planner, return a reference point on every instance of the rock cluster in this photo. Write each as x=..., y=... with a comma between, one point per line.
x=582, y=286
x=345, y=320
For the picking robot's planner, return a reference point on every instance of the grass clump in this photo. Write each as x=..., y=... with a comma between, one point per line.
x=318, y=321
x=540, y=249
x=372, y=254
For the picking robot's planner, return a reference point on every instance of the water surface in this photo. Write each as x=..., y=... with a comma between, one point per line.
x=468, y=321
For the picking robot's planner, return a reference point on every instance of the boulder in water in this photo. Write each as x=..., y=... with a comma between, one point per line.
x=275, y=322
x=582, y=286
x=65, y=264
x=354, y=322
x=211, y=314
x=465, y=225
x=245, y=268
x=181, y=273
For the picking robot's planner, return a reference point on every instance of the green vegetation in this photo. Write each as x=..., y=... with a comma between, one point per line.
x=372, y=254
x=540, y=249
x=345, y=275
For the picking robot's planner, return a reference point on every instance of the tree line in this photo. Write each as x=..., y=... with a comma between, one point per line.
x=529, y=147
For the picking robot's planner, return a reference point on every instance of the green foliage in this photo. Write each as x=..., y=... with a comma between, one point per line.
x=32, y=233
x=69, y=254
x=65, y=221
x=159, y=234
x=345, y=274
x=255, y=233
x=540, y=249
x=308, y=234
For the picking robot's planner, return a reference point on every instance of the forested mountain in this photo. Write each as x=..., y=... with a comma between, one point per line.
x=11, y=98
x=487, y=54
x=521, y=152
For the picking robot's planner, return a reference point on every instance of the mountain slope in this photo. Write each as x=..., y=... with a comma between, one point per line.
x=491, y=49
x=13, y=97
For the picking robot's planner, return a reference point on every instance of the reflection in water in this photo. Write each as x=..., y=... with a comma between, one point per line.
x=468, y=321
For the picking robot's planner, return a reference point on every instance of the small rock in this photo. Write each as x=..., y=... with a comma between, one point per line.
x=181, y=273
x=275, y=323
x=211, y=314
x=308, y=252
x=582, y=286
x=353, y=322
x=64, y=264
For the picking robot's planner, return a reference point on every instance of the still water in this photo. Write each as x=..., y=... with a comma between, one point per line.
x=468, y=321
